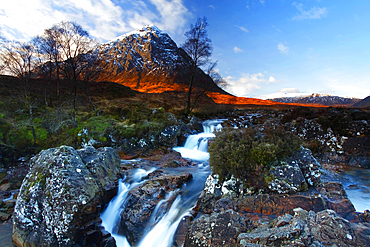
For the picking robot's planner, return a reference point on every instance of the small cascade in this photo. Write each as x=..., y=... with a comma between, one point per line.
x=113, y=212
x=196, y=146
x=162, y=225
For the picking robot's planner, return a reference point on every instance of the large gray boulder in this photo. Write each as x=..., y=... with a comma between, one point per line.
x=61, y=196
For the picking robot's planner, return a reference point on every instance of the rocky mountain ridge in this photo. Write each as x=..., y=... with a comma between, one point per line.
x=319, y=99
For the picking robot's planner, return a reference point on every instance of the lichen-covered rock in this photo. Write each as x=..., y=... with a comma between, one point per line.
x=324, y=228
x=217, y=229
x=287, y=178
x=309, y=166
x=61, y=196
x=210, y=194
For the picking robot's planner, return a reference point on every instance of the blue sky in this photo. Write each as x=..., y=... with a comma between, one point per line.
x=264, y=48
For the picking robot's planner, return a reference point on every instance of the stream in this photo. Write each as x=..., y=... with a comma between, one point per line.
x=356, y=183
x=166, y=223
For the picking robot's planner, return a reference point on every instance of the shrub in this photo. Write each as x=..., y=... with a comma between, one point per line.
x=248, y=154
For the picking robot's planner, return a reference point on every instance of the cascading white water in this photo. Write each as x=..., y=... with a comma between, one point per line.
x=196, y=146
x=162, y=225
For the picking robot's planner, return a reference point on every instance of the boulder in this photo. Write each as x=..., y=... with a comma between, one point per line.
x=60, y=198
x=217, y=229
x=287, y=178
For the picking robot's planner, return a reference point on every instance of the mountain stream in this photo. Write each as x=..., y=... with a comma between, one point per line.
x=195, y=148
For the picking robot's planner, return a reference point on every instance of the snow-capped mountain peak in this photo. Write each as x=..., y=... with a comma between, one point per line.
x=141, y=32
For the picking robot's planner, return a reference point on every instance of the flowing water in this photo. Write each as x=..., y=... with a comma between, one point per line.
x=356, y=182
x=165, y=223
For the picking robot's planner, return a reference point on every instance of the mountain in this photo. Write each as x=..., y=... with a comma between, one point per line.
x=363, y=103
x=318, y=99
x=148, y=60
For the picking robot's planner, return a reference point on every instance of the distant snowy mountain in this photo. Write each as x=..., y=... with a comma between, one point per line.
x=148, y=60
x=318, y=99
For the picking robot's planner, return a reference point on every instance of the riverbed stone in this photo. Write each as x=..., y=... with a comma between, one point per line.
x=61, y=196
x=217, y=229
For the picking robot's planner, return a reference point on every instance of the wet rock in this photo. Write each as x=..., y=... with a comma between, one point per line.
x=173, y=159
x=329, y=228
x=154, y=196
x=324, y=228
x=168, y=136
x=59, y=201
x=4, y=216
x=217, y=229
x=336, y=199
x=182, y=231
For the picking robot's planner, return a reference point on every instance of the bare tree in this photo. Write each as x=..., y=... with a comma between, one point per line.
x=216, y=77
x=73, y=43
x=20, y=60
x=199, y=48
x=48, y=46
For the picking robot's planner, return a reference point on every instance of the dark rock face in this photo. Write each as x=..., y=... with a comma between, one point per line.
x=60, y=198
x=142, y=202
x=217, y=229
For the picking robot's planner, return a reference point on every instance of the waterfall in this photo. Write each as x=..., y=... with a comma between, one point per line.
x=162, y=225
x=196, y=146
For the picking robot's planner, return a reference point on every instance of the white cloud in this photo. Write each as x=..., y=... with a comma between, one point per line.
x=104, y=19
x=247, y=83
x=289, y=90
x=211, y=6
x=243, y=28
x=272, y=79
x=262, y=1
x=237, y=50
x=313, y=13
x=283, y=49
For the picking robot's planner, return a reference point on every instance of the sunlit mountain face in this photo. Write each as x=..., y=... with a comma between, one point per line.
x=148, y=60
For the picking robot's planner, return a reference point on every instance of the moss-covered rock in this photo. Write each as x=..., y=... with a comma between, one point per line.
x=62, y=194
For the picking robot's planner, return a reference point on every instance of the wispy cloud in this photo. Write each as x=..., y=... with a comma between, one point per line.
x=211, y=6
x=313, y=13
x=104, y=19
x=283, y=49
x=247, y=83
x=237, y=50
x=243, y=28
x=262, y=1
